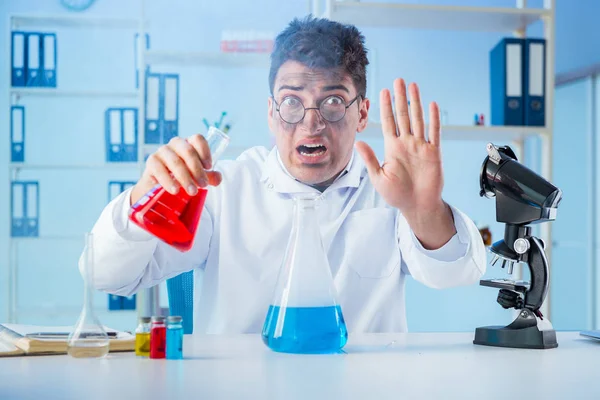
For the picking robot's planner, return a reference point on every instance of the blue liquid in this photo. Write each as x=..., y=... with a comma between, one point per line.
x=306, y=330
x=175, y=344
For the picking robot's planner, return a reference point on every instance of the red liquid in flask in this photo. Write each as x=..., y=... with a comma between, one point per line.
x=172, y=218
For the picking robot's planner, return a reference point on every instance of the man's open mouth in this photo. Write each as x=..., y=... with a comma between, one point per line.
x=312, y=150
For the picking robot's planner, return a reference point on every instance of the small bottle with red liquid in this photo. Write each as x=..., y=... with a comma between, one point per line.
x=174, y=218
x=158, y=337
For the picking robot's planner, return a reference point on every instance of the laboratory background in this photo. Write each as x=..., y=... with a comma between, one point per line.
x=115, y=79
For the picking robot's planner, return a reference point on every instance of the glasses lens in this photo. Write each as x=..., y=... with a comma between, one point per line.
x=333, y=108
x=291, y=110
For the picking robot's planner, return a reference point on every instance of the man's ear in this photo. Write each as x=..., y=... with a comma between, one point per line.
x=270, y=114
x=363, y=113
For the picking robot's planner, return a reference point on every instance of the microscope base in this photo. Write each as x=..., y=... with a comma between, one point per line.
x=522, y=333
x=525, y=338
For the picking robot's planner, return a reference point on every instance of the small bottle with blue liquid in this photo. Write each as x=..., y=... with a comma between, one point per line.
x=304, y=316
x=174, y=338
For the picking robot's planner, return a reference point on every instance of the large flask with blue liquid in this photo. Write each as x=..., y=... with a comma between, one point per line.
x=304, y=316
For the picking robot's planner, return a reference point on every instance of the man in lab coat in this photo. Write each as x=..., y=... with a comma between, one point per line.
x=379, y=221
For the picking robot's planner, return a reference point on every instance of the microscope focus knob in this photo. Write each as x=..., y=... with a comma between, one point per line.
x=521, y=245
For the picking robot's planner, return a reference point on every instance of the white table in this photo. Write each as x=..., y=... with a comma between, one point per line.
x=375, y=366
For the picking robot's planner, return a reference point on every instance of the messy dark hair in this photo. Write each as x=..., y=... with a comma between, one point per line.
x=322, y=44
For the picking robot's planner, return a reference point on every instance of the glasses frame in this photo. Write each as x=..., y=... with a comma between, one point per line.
x=277, y=108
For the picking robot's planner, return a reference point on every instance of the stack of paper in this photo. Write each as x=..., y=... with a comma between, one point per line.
x=18, y=340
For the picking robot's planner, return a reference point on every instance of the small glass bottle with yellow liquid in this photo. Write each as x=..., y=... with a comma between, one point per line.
x=142, y=338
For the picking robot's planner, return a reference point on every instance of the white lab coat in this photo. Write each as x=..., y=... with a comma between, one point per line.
x=243, y=233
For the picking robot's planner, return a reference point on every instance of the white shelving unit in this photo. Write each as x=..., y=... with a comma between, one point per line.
x=13, y=166
x=50, y=92
x=74, y=21
x=509, y=21
x=148, y=301
x=470, y=133
x=424, y=16
x=15, y=94
x=48, y=238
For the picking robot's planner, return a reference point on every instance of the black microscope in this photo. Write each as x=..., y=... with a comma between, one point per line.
x=522, y=198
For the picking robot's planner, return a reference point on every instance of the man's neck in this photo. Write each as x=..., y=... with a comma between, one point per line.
x=321, y=187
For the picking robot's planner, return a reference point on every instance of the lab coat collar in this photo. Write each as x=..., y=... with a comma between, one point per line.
x=278, y=179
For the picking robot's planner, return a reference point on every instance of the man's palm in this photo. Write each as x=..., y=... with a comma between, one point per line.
x=411, y=176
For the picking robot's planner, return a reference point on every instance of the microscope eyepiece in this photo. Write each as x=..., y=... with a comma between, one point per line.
x=522, y=196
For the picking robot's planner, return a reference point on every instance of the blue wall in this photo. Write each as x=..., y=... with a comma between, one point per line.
x=571, y=294
x=450, y=67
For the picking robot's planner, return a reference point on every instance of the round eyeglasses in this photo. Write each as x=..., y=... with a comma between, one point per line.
x=332, y=109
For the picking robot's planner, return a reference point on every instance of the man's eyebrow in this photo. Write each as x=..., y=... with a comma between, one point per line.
x=290, y=87
x=335, y=87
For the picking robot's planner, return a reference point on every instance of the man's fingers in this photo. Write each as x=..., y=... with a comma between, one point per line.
x=434, y=124
x=388, y=124
x=370, y=159
x=159, y=172
x=416, y=110
x=201, y=145
x=214, y=178
x=401, y=104
x=178, y=168
x=190, y=156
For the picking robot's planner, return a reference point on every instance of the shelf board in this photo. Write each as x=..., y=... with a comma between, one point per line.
x=51, y=238
x=53, y=92
x=232, y=148
x=116, y=165
x=422, y=16
x=71, y=21
x=498, y=134
x=215, y=59
x=45, y=310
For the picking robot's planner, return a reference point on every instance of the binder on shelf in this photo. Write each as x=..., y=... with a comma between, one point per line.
x=115, y=188
x=152, y=101
x=136, y=46
x=18, y=59
x=507, y=82
x=34, y=45
x=114, y=302
x=162, y=108
x=24, y=208
x=49, y=60
x=128, y=303
x=40, y=59
x=170, y=106
x=17, y=134
x=121, y=131
x=121, y=302
x=535, y=82
x=33, y=59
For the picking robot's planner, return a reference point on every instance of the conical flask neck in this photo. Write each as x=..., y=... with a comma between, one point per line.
x=217, y=143
x=305, y=216
x=88, y=272
x=88, y=315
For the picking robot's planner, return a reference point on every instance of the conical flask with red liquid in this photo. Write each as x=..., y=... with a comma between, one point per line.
x=174, y=218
